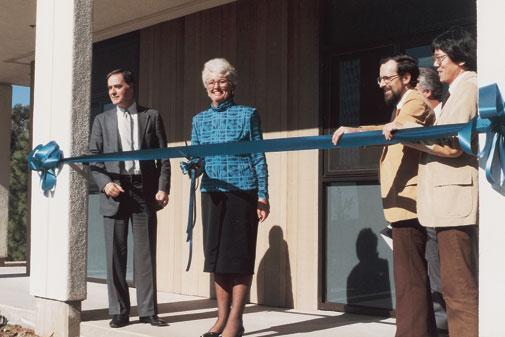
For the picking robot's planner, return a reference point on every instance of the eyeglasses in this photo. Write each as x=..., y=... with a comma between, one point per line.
x=220, y=83
x=386, y=79
x=438, y=59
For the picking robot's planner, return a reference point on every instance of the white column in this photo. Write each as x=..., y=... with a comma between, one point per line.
x=5, y=169
x=61, y=113
x=491, y=69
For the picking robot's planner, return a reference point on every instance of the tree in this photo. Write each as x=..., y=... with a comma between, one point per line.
x=18, y=185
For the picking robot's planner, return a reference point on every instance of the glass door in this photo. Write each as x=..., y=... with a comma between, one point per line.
x=357, y=267
x=119, y=52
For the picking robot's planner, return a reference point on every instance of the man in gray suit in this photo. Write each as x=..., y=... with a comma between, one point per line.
x=131, y=190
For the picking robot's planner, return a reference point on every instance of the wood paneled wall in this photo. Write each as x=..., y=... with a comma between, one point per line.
x=274, y=45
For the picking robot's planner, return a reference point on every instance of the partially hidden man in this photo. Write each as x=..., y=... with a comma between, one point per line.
x=130, y=191
x=398, y=179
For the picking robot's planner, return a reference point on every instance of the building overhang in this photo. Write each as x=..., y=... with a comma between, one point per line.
x=110, y=18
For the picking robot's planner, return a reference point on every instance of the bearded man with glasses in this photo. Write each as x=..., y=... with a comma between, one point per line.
x=398, y=179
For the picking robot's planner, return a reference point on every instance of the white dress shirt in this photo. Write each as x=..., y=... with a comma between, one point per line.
x=128, y=127
x=438, y=110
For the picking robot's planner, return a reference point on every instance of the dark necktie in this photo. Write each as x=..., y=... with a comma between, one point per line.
x=445, y=99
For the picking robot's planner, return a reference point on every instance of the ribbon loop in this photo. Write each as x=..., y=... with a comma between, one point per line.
x=491, y=108
x=491, y=103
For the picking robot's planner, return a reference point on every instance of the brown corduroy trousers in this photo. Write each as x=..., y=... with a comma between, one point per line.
x=457, y=271
x=414, y=310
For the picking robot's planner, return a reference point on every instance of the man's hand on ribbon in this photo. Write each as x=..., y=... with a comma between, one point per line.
x=389, y=129
x=112, y=190
x=340, y=132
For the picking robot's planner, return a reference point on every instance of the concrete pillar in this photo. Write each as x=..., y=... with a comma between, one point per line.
x=61, y=113
x=490, y=56
x=29, y=185
x=5, y=167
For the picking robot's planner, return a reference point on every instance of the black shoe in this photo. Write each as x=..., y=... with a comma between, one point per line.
x=153, y=320
x=211, y=334
x=240, y=333
x=119, y=321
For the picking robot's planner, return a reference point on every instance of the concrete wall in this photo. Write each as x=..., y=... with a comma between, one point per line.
x=491, y=69
x=274, y=46
x=5, y=141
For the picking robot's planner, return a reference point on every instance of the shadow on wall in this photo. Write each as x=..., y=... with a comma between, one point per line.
x=368, y=283
x=274, y=273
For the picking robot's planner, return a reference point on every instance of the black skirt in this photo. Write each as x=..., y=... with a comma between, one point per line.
x=230, y=228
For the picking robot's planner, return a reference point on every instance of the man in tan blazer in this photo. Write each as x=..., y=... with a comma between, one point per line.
x=448, y=183
x=398, y=179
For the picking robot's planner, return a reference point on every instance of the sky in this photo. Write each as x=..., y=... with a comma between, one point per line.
x=20, y=95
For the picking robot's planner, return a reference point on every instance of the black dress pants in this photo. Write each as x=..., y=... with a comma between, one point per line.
x=134, y=207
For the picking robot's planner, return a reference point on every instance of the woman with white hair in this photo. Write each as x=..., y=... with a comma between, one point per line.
x=234, y=195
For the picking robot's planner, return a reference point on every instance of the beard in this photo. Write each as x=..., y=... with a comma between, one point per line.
x=393, y=98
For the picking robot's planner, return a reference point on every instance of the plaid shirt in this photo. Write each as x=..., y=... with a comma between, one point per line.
x=226, y=123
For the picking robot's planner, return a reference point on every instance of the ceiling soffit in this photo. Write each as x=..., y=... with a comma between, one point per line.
x=111, y=18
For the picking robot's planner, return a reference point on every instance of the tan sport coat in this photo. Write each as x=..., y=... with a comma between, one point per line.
x=448, y=187
x=399, y=164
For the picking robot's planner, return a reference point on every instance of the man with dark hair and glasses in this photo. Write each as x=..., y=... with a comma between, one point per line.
x=448, y=183
x=398, y=180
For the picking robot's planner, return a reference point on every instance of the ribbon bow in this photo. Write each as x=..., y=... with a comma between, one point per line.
x=45, y=159
x=491, y=108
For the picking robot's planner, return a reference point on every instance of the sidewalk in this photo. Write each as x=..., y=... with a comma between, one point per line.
x=189, y=316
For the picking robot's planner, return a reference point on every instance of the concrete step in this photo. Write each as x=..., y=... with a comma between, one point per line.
x=259, y=321
x=189, y=316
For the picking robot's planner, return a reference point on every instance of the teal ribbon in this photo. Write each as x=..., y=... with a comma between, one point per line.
x=46, y=159
x=351, y=140
x=191, y=168
x=491, y=110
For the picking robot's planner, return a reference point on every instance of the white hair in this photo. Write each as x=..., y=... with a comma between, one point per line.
x=220, y=67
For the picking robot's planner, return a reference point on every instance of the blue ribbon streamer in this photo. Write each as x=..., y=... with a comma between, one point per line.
x=191, y=168
x=491, y=109
x=351, y=140
x=45, y=159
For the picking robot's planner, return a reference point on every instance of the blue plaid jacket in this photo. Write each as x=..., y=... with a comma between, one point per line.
x=230, y=122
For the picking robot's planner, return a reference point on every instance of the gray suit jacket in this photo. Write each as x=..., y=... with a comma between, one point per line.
x=105, y=139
